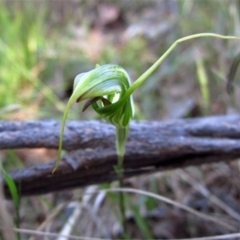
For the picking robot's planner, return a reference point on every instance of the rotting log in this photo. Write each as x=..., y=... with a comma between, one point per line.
x=152, y=146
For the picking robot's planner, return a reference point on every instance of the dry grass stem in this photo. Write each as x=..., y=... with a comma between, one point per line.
x=174, y=203
x=67, y=229
x=70, y=237
x=206, y=193
x=50, y=218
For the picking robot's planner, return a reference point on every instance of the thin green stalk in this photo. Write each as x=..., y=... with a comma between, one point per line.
x=151, y=70
x=121, y=138
x=203, y=83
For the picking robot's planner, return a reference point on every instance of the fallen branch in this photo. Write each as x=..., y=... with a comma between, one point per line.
x=152, y=146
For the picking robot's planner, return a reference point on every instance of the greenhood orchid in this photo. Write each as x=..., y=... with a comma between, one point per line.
x=105, y=89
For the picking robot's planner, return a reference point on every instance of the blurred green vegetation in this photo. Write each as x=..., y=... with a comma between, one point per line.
x=20, y=45
x=44, y=44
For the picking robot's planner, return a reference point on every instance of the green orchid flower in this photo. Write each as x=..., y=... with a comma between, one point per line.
x=105, y=89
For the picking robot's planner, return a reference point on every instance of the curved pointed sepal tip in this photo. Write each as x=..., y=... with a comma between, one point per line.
x=59, y=154
x=55, y=168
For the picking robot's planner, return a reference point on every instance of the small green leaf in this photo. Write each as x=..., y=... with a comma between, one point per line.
x=12, y=188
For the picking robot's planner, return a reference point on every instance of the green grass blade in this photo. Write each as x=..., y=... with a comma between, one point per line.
x=12, y=188
x=203, y=82
x=15, y=196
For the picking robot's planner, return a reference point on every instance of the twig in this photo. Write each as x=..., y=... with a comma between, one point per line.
x=151, y=146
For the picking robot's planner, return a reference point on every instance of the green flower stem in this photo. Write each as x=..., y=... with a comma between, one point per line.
x=121, y=138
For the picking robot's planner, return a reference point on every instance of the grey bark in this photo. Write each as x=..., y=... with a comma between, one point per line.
x=152, y=146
